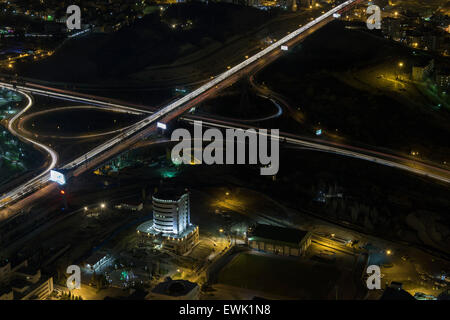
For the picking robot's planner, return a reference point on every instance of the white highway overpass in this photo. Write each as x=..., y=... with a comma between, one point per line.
x=381, y=158
x=40, y=180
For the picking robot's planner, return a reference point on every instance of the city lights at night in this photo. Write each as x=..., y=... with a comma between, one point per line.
x=239, y=154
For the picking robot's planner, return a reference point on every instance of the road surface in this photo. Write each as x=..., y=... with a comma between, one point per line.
x=144, y=127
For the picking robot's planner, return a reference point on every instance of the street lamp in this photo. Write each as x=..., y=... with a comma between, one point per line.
x=400, y=65
x=388, y=252
x=102, y=206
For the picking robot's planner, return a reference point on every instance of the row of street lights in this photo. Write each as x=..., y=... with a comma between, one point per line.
x=102, y=206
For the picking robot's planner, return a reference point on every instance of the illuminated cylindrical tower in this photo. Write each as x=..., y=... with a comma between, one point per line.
x=171, y=213
x=171, y=228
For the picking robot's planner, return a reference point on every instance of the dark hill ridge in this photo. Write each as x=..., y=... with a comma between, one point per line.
x=150, y=41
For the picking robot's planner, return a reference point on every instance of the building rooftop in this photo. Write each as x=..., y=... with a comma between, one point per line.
x=174, y=288
x=288, y=235
x=28, y=270
x=19, y=283
x=145, y=226
x=94, y=258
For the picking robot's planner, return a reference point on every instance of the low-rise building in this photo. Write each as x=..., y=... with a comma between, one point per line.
x=443, y=78
x=96, y=260
x=391, y=28
x=278, y=240
x=174, y=290
x=23, y=282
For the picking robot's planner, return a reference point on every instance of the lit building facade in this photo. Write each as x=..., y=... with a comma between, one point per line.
x=278, y=240
x=171, y=216
x=171, y=224
x=23, y=282
x=97, y=260
x=443, y=79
